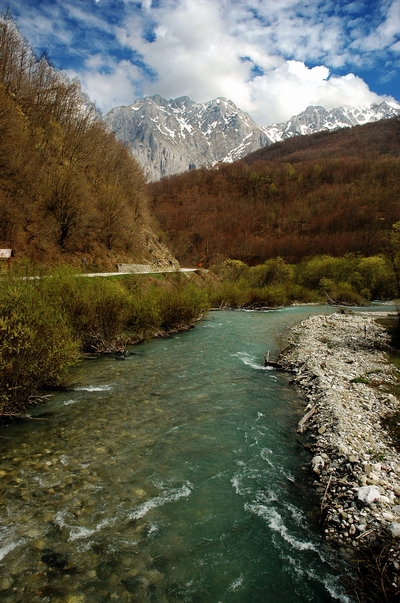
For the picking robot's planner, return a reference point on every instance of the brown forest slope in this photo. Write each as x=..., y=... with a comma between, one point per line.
x=68, y=189
x=327, y=193
x=382, y=138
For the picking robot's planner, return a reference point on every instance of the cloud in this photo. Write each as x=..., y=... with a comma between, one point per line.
x=199, y=46
x=271, y=57
x=109, y=83
x=194, y=54
x=289, y=89
x=386, y=33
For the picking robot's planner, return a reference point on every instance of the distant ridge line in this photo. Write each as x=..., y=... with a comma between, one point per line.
x=172, y=136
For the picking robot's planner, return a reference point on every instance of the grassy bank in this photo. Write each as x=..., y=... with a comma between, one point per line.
x=46, y=323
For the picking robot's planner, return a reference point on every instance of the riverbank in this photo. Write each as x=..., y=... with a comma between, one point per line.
x=341, y=363
x=46, y=324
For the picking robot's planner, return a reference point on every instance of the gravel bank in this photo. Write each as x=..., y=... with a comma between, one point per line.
x=341, y=363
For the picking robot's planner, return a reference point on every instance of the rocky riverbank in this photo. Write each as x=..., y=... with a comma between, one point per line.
x=341, y=363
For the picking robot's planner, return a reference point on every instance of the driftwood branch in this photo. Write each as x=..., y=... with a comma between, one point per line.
x=303, y=421
x=271, y=363
x=326, y=492
x=330, y=300
x=363, y=534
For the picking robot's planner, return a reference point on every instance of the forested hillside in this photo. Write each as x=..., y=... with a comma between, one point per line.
x=329, y=193
x=68, y=189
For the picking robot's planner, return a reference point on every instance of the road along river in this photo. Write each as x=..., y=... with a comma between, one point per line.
x=173, y=475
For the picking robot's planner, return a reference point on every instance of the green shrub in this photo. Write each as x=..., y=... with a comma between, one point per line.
x=97, y=309
x=36, y=344
x=341, y=292
x=233, y=270
x=377, y=278
x=180, y=306
x=233, y=295
x=273, y=271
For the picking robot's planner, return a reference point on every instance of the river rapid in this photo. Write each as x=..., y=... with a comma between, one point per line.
x=173, y=475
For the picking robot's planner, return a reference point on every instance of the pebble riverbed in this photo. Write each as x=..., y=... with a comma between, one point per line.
x=341, y=363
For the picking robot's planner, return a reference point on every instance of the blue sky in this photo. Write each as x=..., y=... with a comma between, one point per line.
x=272, y=58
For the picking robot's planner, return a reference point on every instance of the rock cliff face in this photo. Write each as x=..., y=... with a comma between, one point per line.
x=169, y=137
x=315, y=119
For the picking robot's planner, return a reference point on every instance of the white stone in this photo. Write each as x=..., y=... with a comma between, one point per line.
x=368, y=494
x=394, y=529
x=317, y=463
x=373, y=477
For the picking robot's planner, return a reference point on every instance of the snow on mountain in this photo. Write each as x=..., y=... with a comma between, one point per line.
x=169, y=137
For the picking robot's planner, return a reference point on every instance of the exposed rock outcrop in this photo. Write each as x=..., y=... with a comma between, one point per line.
x=169, y=137
x=172, y=136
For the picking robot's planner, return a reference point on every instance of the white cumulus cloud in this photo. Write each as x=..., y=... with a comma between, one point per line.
x=272, y=58
x=206, y=49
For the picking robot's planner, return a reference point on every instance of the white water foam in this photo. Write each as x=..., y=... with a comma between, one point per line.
x=59, y=519
x=8, y=548
x=94, y=388
x=236, y=584
x=275, y=522
x=331, y=583
x=235, y=481
x=265, y=453
x=78, y=532
x=250, y=360
x=68, y=402
x=242, y=490
x=297, y=515
x=171, y=495
x=153, y=529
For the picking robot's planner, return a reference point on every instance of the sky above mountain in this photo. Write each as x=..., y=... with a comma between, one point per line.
x=272, y=58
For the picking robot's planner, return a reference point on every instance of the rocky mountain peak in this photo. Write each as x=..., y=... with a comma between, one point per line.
x=172, y=136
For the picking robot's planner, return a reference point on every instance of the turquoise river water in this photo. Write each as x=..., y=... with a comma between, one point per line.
x=171, y=476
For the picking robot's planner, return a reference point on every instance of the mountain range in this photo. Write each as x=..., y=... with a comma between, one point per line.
x=172, y=136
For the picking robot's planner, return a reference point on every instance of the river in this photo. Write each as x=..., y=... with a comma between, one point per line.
x=171, y=476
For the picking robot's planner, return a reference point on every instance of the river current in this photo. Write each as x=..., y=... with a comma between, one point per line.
x=173, y=475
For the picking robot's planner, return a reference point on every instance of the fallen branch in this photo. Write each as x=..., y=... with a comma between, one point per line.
x=326, y=492
x=303, y=421
x=364, y=534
